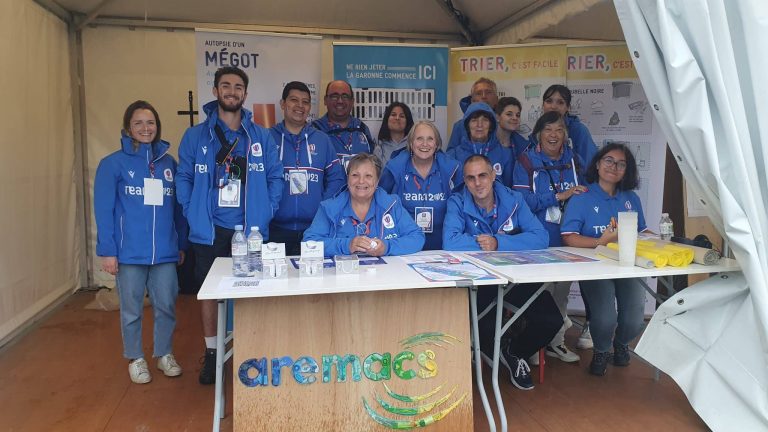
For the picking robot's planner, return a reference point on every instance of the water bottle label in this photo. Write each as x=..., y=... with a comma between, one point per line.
x=239, y=249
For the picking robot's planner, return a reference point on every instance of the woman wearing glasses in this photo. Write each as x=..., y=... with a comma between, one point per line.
x=616, y=305
x=363, y=219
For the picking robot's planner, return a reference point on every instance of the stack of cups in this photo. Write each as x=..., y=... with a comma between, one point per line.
x=627, y=238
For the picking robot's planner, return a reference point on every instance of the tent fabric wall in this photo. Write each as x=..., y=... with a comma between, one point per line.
x=40, y=260
x=702, y=64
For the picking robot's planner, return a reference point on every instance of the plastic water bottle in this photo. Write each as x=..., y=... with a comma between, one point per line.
x=255, y=241
x=666, y=229
x=239, y=253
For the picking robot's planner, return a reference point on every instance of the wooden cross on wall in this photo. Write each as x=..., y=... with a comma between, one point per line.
x=191, y=112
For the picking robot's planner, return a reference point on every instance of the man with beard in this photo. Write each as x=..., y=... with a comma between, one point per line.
x=349, y=135
x=229, y=174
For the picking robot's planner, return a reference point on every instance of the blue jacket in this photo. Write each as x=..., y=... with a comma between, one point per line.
x=355, y=138
x=590, y=213
x=519, y=144
x=534, y=179
x=581, y=139
x=197, y=171
x=336, y=225
x=514, y=226
x=126, y=228
x=501, y=157
x=310, y=151
x=400, y=178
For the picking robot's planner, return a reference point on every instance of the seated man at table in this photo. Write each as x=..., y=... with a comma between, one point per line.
x=486, y=215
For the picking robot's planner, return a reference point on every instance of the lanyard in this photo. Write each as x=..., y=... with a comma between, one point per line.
x=357, y=225
x=337, y=135
x=296, y=145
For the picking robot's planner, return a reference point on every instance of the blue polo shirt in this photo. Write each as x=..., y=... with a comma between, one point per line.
x=590, y=213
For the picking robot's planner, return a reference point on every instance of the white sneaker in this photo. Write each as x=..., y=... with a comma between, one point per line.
x=585, y=339
x=562, y=352
x=534, y=359
x=168, y=365
x=139, y=371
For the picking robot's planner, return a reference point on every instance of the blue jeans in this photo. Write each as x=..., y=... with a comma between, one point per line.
x=163, y=287
x=614, y=304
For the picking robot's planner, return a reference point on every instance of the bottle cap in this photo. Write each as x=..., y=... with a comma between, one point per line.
x=238, y=227
x=665, y=215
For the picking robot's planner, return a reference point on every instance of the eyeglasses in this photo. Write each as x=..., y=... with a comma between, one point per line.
x=482, y=93
x=609, y=162
x=335, y=97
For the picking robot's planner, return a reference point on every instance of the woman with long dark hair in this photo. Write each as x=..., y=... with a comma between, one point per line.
x=393, y=134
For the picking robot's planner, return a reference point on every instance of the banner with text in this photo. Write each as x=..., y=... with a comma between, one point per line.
x=269, y=60
x=524, y=72
x=610, y=101
x=416, y=75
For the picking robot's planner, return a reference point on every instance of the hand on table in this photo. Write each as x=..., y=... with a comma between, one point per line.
x=487, y=242
x=367, y=245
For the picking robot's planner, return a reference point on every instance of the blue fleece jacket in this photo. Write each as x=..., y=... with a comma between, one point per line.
x=501, y=157
x=336, y=225
x=126, y=228
x=196, y=183
x=536, y=177
x=349, y=141
x=459, y=132
x=581, y=140
x=423, y=196
x=317, y=174
x=511, y=222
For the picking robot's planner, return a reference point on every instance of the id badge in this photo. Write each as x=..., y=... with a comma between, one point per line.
x=424, y=217
x=229, y=195
x=553, y=215
x=153, y=192
x=298, y=180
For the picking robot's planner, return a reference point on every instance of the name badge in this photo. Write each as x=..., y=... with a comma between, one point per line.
x=298, y=180
x=553, y=215
x=153, y=192
x=424, y=217
x=229, y=195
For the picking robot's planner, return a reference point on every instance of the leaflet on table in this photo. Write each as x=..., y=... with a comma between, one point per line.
x=441, y=271
x=231, y=282
x=328, y=262
x=430, y=258
x=545, y=256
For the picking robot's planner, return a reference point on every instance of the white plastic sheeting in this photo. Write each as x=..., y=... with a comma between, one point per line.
x=703, y=64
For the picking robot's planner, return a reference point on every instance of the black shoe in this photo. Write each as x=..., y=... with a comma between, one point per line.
x=620, y=355
x=208, y=372
x=599, y=363
x=520, y=373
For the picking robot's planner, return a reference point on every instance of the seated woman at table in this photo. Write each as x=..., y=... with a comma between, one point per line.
x=363, y=219
x=486, y=215
x=423, y=176
x=548, y=175
x=589, y=221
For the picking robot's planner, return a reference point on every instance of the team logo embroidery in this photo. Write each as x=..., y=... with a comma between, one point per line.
x=131, y=173
x=256, y=149
x=497, y=168
x=596, y=208
x=406, y=177
x=627, y=205
x=168, y=174
x=474, y=222
x=343, y=221
x=387, y=221
x=508, y=225
x=205, y=150
x=312, y=149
